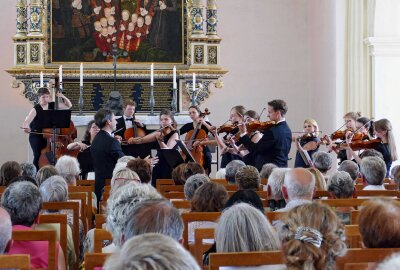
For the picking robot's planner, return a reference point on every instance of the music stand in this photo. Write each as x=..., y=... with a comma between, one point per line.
x=186, y=151
x=171, y=156
x=53, y=119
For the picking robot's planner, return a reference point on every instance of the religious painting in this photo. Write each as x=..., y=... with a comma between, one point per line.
x=133, y=30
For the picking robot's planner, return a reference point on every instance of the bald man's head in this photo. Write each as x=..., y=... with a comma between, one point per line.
x=5, y=230
x=299, y=183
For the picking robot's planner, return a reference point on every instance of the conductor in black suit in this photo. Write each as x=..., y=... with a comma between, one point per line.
x=274, y=146
x=128, y=119
x=105, y=149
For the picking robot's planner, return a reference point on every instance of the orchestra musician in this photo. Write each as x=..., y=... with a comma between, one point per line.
x=30, y=125
x=105, y=149
x=197, y=118
x=311, y=130
x=128, y=120
x=274, y=146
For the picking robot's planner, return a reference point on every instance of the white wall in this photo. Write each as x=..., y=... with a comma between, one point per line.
x=272, y=48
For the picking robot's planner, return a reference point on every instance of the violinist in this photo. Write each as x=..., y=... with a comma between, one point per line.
x=274, y=146
x=105, y=149
x=311, y=130
x=385, y=144
x=228, y=154
x=198, y=119
x=30, y=125
x=128, y=120
x=91, y=131
x=166, y=136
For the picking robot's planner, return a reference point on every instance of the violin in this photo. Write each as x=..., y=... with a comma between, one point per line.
x=341, y=135
x=227, y=128
x=259, y=125
x=359, y=145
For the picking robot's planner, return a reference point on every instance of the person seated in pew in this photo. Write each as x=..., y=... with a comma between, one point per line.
x=23, y=202
x=341, y=186
x=231, y=169
x=248, y=177
x=8, y=171
x=143, y=169
x=5, y=231
x=157, y=250
x=193, y=183
x=44, y=173
x=351, y=168
x=373, y=171
x=312, y=237
x=267, y=169
x=28, y=169
x=274, y=189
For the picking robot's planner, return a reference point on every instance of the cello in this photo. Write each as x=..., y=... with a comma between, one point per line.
x=197, y=135
x=57, y=139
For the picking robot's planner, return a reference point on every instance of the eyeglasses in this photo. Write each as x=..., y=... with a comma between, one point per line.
x=128, y=179
x=309, y=126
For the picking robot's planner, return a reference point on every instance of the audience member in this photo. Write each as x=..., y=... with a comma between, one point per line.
x=177, y=174
x=68, y=168
x=192, y=168
x=153, y=216
x=298, y=188
x=371, y=153
x=28, y=169
x=44, y=173
x=242, y=228
x=248, y=177
x=313, y=238
x=209, y=197
x=151, y=251
x=351, y=168
x=390, y=263
x=221, y=174
x=393, y=171
x=379, y=223
x=22, y=200
x=123, y=176
x=322, y=161
x=142, y=168
x=373, y=170
x=23, y=178
x=125, y=159
x=267, y=169
x=341, y=186
x=55, y=189
x=8, y=171
x=320, y=182
x=231, y=170
x=193, y=183
x=5, y=231
x=245, y=196
x=274, y=189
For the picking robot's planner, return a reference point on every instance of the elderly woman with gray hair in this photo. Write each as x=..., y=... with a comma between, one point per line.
x=341, y=186
x=22, y=200
x=55, y=189
x=274, y=189
x=243, y=228
x=68, y=167
x=121, y=201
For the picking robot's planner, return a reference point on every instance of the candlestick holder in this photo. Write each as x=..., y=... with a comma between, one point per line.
x=152, y=102
x=80, y=100
x=174, y=102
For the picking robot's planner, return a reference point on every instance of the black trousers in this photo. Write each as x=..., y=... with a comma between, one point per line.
x=37, y=143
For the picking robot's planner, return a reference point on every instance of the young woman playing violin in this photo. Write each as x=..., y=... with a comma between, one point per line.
x=31, y=123
x=166, y=135
x=311, y=130
x=91, y=131
x=385, y=143
x=231, y=129
x=198, y=123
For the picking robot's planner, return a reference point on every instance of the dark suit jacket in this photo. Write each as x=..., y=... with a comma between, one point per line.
x=105, y=152
x=273, y=147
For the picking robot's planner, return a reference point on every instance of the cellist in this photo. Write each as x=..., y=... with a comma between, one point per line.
x=30, y=125
x=128, y=120
x=197, y=118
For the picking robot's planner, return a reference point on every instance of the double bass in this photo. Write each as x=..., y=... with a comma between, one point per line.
x=57, y=139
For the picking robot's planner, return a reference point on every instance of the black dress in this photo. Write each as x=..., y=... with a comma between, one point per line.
x=37, y=141
x=228, y=157
x=383, y=148
x=299, y=162
x=85, y=161
x=206, y=150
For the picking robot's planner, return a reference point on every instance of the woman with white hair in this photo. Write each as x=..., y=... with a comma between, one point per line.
x=151, y=251
x=68, y=168
x=243, y=228
x=122, y=176
x=55, y=189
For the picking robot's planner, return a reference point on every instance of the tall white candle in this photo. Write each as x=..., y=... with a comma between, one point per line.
x=152, y=74
x=194, y=81
x=81, y=75
x=174, y=78
x=60, y=74
x=41, y=79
